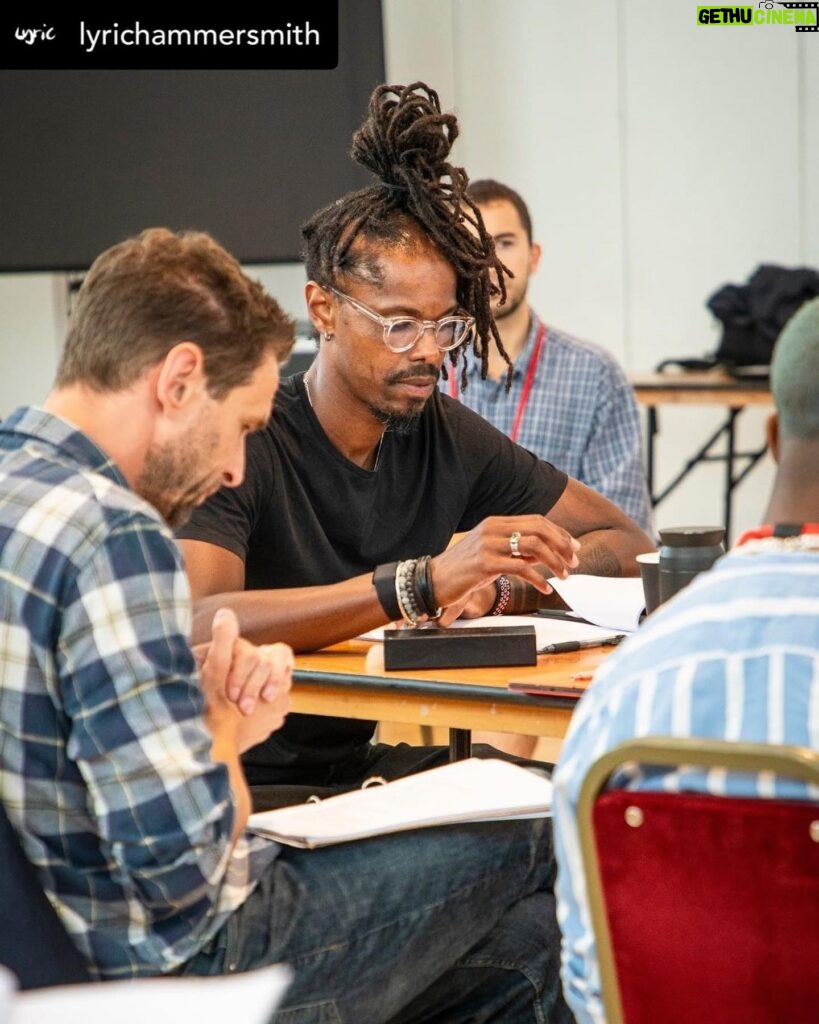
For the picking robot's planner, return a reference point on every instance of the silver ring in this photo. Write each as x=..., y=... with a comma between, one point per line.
x=514, y=545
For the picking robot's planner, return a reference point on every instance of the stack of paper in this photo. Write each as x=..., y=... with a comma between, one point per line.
x=203, y=1000
x=470, y=790
x=615, y=602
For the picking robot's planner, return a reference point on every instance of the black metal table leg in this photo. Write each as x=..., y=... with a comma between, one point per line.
x=460, y=744
x=651, y=431
x=730, y=438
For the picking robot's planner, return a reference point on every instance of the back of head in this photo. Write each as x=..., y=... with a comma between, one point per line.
x=405, y=141
x=795, y=374
x=487, y=190
x=146, y=294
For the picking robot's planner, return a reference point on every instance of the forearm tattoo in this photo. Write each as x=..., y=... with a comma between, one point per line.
x=599, y=560
x=596, y=560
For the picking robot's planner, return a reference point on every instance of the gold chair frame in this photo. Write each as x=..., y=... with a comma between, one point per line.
x=794, y=762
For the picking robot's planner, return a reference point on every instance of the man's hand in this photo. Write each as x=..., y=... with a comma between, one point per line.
x=241, y=679
x=473, y=606
x=485, y=553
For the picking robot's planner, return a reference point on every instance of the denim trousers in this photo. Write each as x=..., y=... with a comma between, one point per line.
x=449, y=925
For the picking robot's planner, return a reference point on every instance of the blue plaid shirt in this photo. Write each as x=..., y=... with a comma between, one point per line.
x=105, y=764
x=581, y=416
x=734, y=656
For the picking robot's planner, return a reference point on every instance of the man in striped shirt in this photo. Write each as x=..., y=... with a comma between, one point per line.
x=734, y=656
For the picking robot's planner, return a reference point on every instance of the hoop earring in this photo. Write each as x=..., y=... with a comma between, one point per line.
x=328, y=336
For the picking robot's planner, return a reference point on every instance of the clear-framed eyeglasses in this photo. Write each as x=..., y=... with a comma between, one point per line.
x=402, y=332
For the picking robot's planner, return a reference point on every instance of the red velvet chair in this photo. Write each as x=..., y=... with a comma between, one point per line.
x=705, y=909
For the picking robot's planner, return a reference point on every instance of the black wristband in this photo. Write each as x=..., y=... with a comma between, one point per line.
x=423, y=588
x=384, y=583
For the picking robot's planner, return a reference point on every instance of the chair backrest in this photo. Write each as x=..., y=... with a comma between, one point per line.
x=704, y=908
x=33, y=942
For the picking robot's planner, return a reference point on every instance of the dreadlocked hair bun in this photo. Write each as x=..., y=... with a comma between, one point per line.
x=405, y=141
x=405, y=136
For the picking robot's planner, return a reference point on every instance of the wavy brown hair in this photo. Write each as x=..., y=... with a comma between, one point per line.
x=145, y=294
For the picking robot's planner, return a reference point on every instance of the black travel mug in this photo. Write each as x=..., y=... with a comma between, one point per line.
x=686, y=552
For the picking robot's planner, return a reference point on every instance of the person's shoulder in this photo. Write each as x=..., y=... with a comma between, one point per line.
x=745, y=568
x=589, y=351
x=286, y=422
x=588, y=356
x=491, y=454
x=443, y=407
x=288, y=413
x=77, y=511
x=289, y=389
x=737, y=607
x=749, y=572
x=460, y=419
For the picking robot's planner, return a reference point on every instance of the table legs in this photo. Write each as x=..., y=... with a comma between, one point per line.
x=460, y=744
x=704, y=454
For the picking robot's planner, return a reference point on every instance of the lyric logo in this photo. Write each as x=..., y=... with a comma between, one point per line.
x=289, y=35
x=803, y=16
x=30, y=36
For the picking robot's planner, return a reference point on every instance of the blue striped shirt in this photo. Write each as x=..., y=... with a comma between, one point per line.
x=734, y=656
x=581, y=415
x=105, y=760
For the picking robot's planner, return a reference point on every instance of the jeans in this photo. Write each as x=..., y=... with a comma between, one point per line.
x=448, y=925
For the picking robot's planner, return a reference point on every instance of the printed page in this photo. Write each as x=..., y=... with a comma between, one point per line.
x=615, y=603
x=211, y=1000
x=471, y=790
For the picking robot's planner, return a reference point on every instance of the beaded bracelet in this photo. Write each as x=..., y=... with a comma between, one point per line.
x=503, y=590
x=411, y=610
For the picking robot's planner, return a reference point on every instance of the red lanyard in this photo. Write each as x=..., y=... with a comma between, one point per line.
x=531, y=370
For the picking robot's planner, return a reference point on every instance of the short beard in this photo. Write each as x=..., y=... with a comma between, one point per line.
x=398, y=423
x=171, y=478
x=508, y=308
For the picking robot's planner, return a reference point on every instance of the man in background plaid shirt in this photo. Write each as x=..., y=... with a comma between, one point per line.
x=569, y=401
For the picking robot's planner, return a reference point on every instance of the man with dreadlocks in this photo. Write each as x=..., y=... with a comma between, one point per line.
x=366, y=470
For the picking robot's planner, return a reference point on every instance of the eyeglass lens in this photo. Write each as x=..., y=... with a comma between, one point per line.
x=449, y=333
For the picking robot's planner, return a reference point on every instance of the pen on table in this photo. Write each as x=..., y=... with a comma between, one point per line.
x=563, y=614
x=579, y=645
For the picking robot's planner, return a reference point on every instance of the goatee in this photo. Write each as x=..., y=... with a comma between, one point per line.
x=399, y=423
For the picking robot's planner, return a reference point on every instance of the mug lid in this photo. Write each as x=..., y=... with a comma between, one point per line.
x=692, y=536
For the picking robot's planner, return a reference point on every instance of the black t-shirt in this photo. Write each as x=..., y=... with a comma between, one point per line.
x=305, y=515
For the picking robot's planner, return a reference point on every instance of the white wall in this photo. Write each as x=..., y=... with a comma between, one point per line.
x=660, y=160
x=33, y=323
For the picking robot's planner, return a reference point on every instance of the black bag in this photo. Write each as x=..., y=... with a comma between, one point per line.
x=753, y=314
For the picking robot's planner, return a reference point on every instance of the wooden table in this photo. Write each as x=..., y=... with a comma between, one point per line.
x=712, y=387
x=343, y=682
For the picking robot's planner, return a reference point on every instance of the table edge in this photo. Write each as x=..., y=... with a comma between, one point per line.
x=434, y=688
